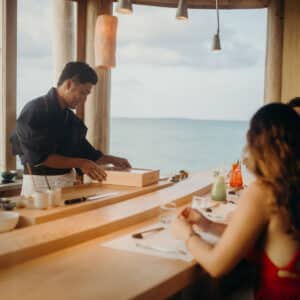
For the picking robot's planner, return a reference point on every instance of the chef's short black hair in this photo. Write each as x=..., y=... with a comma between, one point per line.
x=295, y=102
x=78, y=71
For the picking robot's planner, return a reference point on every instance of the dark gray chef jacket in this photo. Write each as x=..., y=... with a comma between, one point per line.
x=44, y=128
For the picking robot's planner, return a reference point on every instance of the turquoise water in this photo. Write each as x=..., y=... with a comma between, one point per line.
x=174, y=144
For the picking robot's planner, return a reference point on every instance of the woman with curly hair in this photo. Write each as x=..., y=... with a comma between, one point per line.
x=266, y=223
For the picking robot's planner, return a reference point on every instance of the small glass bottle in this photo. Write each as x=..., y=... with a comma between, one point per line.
x=236, y=179
x=218, y=192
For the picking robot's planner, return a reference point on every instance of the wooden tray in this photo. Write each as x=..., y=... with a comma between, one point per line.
x=132, y=177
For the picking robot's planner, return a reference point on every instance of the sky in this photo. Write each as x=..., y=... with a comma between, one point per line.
x=165, y=67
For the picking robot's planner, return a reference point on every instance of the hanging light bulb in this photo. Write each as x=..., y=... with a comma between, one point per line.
x=216, y=46
x=216, y=42
x=124, y=7
x=182, y=10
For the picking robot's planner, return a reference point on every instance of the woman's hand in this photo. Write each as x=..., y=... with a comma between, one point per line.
x=194, y=217
x=181, y=228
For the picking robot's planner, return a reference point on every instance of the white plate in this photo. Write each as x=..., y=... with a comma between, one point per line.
x=220, y=213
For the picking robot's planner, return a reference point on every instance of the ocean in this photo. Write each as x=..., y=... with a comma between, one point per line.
x=175, y=144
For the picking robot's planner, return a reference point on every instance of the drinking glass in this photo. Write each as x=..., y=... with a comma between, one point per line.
x=167, y=213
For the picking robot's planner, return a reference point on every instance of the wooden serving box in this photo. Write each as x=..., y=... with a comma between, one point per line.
x=132, y=177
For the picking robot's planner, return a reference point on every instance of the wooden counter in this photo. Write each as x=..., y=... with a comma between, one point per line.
x=63, y=259
x=10, y=189
x=92, y=272
x=38, y=216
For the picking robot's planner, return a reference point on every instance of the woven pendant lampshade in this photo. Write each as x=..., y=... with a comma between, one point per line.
x=105, y=41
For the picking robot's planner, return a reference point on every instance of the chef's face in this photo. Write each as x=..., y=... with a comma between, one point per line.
x=297, y=110
x=76, y=93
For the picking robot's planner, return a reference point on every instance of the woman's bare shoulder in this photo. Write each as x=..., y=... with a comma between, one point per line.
x=258, y=194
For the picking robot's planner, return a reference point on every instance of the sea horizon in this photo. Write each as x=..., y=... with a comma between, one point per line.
x=172, y=144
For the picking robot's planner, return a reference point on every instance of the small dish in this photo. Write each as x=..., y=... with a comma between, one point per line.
x=8, y=220
x=8, y=205
x=7, y=176
x=220, y=214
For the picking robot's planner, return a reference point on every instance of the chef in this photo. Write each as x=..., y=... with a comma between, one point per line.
x=51, y=140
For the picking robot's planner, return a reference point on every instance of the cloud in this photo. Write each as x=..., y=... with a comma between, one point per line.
x=165, y=68
x=34, y=28
x=153, y=36
x=175, y=92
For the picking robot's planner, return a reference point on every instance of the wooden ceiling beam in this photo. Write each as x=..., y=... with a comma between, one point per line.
x=206, y=4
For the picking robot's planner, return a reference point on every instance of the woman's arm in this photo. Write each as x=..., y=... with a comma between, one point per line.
x=246, y=225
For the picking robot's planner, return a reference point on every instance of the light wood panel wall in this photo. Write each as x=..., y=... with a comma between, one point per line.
x=81, y=41
x=8, y=80
x=97, y=106
x=273, y=67
x=291, y=51
x=64, y=35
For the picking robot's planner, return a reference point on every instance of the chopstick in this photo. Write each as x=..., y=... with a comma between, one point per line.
x=161, y=249
x=31, y=176
x=139, y=235
x=47, y=182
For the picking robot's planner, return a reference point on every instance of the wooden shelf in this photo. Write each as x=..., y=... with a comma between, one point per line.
x=37, y=216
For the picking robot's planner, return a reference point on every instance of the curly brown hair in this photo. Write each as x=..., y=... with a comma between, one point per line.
x=272, y=154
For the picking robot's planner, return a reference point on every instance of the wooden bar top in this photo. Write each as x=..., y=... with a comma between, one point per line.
x=64, y=259
x=33, y=241
x=91, y=272
x=10, y=186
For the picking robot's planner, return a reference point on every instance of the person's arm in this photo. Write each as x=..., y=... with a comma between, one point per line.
x=34, y=140
x=88, y=167
x=243, y=230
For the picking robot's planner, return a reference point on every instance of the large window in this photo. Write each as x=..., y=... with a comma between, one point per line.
x=35, y=54
x=175, y=103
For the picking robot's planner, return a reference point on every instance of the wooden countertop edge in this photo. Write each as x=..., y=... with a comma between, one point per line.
x=35, y=241
x=27, y=220
x=10, y=186
x=174, y=284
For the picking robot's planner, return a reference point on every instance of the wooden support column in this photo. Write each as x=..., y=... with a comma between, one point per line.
x=64, y=34
x=8, y=80
x=291, y=51
x=97, y=106
x=81, y=43
x=274, y=52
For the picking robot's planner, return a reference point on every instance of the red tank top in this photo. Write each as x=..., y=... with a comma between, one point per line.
x=273, y=287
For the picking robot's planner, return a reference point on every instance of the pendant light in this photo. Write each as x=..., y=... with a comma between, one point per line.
x=105, y=41
x=182, y=10
x=124, y=7
x=216, y=46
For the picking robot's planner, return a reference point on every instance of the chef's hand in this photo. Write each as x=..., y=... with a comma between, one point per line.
x=120, y=162
x=117, y=162
x=91, y=169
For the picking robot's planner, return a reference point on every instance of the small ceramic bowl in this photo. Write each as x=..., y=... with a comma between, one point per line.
x=8, y=205
x=7, y=176
x=8, y=220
